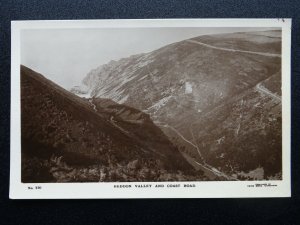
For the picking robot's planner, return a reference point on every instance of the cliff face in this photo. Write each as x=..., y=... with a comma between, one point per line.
x=216, y=97
x=66, y=138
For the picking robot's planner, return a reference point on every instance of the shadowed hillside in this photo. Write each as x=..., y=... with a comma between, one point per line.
x=66, y=139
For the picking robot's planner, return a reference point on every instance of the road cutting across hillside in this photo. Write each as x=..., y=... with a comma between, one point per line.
x=260, y=88
x=204, y=166
x=234, y=50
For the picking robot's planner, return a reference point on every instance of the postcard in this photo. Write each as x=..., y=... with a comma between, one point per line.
x=159, y=108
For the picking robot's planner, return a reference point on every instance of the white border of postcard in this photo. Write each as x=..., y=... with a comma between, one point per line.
x=202, y=189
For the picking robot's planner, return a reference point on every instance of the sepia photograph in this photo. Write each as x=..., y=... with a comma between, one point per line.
x=123, y=104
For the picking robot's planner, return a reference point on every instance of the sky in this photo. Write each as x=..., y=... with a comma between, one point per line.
x=65, y=56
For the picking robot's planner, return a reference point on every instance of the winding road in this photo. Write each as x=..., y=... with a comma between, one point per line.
x=94, y=106
x=260, y=88
x=215, y=171
x=234, y=50
x=179, y=134
x=204, y=165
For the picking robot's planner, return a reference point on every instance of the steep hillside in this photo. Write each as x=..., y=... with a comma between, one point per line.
x=195, y=91
x=65, y=139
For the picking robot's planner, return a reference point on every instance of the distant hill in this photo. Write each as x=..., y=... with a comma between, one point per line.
x=217, y=97
x=66, y=138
